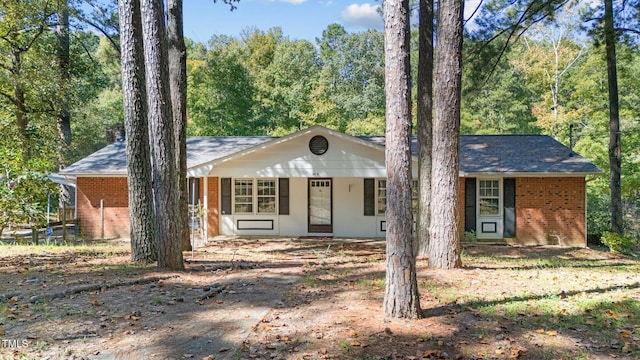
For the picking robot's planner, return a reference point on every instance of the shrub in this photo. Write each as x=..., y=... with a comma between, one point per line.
x=618, y=243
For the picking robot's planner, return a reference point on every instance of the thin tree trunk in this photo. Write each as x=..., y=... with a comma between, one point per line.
x=19, y=102
x=64, y=115
x=615, y=147
x=424, y=125
x=444, y=244
x=401, y=297
x=162, y=139
x=62, y=54
x=178, y=79
x=141, y=210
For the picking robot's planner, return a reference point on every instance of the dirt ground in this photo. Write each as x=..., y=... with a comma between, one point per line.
x=257, y=298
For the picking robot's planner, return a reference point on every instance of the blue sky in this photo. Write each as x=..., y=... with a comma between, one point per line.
x=299, y=19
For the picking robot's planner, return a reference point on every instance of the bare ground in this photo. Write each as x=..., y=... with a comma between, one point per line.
x=256, y=298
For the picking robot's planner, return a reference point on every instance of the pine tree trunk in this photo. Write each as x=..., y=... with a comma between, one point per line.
x=401, y=297
x=444, y=241
x=162, y=139
x=424, y=125
x=141, y=211
x=178, y=79
x=615, y=147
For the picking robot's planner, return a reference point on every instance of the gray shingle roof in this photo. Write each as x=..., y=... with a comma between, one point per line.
x=112, y=159
x=536, y=154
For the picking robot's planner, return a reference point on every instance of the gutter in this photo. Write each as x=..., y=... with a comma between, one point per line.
x=66, y=180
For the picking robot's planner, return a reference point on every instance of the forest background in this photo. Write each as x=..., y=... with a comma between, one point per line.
x=551, y=79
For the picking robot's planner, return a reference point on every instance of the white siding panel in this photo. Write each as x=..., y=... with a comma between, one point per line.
x=292, y=158
x=295, y=224
x=348, y=209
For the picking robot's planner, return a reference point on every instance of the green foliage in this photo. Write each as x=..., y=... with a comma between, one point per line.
x=470, y=237
x=618, y=243
x=23, y=188
x=220, y=93
x=265, y=83
x=501, y=105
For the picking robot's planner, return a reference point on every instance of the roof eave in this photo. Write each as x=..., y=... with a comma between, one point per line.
x=530, y=174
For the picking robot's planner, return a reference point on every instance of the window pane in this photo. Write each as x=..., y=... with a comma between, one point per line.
x=243, y=198
x=266, y=205
x=267, y=196
x=244, y=208
x=489, y=197
x=489, y=207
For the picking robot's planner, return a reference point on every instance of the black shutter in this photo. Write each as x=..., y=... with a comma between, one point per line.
x=369, y=197
x=283, y=196
x=194, y=191
x=470, y=204
x=225, y=196
x=509, y=207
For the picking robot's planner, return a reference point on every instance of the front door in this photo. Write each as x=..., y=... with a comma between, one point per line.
x=320, y=207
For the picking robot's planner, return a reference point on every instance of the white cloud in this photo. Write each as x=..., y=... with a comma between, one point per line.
x=362, y=16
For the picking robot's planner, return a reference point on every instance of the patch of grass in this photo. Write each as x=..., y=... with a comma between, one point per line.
x=43, y=309
x=345, y=346
x=310, y=281
x=375, y=283
x=158, y=300
x=70, y=310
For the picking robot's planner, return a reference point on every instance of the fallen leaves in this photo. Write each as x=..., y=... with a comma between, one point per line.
x=547, y=332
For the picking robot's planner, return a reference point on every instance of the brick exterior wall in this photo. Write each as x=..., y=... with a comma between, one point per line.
x=212, y=214
x=113, y=192
x=549, y=211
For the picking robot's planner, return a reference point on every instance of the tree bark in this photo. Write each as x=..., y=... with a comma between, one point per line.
x=615, y=147
x=63, y=120
x=141, y=211
x=178, y=85
x=162, y=139
x=424, y=125
x=20, y=111
x=401, y=297
x=63, y=59
x=444, y=244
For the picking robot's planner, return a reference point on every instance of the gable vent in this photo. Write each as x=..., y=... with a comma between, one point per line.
x=318, y=145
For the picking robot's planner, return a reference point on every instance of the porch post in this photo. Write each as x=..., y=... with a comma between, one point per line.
x=205, y=200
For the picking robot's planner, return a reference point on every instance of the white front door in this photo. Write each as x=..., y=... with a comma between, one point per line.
x=320, y=208
x=489, y=209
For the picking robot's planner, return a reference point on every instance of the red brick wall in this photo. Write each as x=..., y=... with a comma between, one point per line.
x=113, y=192
x=551, y=210
x=212, y=214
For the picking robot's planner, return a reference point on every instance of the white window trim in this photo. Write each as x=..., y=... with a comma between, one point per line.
x=414, y=185
x=500, y=197
x=254, y=196
x=274, y=196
